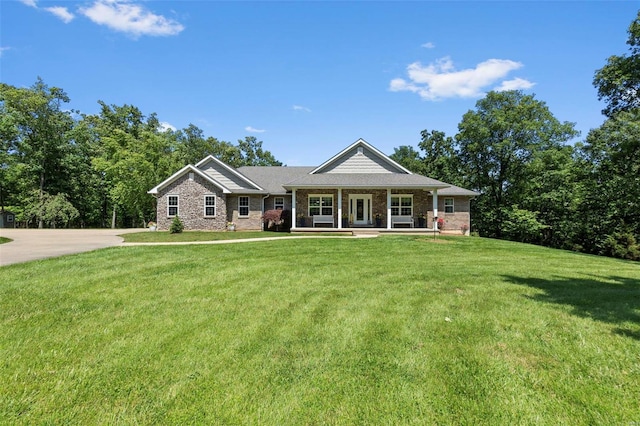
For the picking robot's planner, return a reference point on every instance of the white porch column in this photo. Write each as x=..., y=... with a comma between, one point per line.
x=294, y=216
x=435, y=209
x=339, y=208
x=388, y=208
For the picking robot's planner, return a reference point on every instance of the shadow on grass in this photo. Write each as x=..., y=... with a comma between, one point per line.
x=613, y=300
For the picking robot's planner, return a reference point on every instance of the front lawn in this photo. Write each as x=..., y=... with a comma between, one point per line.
x=389, y=330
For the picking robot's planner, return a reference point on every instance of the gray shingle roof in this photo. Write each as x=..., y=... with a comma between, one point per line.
x=276, y=180
x=272, y=178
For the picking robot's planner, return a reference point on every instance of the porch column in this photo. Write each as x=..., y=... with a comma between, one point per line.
x=294, y=216
x=388, y=208
x=435, y=209
x=339, y=208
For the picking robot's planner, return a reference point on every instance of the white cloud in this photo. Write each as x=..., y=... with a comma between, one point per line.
x=30, y=3
x=130, y=18
x=440, y=80
x=515, y=84
x=2, y=49
x=428, y=45
x=61, y=12
x=254, y=130
x=164, y=126
x=301, y=108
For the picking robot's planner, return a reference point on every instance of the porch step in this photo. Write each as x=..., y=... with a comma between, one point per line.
x=365, y=232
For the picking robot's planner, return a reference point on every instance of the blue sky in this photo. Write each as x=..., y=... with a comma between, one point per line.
x=310, y=78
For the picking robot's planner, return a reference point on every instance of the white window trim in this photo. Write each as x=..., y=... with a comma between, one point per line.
x=177, y=206
x=248, y=206
x=215, y=207
x=276, y=204
x=399, y=197
x=452, y=205
x=321, y=206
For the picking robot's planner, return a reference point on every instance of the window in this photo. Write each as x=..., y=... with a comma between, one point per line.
x=9, y=218
x=209, y=205
x=243, y=206
x=402, y=205
x=172, y=205
x=278, y=203
x=448, y=205
x=321, y=205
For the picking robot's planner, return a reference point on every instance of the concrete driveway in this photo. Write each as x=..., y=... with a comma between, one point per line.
x=32, y=244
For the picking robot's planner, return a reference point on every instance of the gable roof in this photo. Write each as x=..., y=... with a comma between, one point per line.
x=186, y=169
x=272, y=178
x=360, y=157
x=227, y=175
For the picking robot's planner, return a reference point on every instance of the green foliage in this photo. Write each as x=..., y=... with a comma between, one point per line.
x=437, y=157
x=521, y=225
x=622, y=245
x=176, y=226
x=618, y=82
x=52, y=210
x=499, y=145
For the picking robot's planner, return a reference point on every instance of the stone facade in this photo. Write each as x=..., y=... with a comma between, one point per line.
x=191, y=189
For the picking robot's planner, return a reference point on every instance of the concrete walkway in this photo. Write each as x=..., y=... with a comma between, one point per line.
x=33, y=244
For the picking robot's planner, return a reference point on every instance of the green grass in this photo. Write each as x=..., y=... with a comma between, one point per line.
x=4, y=240
x=391, y=330
x=165, y=236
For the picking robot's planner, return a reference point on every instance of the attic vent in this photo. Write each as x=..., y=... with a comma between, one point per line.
x=360, y=150
x=191, y=176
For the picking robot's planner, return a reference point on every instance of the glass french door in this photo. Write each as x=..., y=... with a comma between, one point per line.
x=360, y=209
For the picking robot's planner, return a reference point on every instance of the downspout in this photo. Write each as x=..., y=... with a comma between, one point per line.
x=261, y=220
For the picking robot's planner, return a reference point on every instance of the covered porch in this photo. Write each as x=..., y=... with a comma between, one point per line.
x=359, y=209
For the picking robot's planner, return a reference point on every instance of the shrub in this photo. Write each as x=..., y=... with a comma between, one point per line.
x=176, y=226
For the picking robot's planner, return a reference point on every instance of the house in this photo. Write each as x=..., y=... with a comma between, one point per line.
x=358, y=187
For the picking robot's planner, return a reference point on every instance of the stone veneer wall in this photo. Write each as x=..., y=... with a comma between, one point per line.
x=191, y=204
x=252, y=222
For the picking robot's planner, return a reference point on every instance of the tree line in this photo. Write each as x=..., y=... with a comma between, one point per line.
x=535, y=186
x=61, y=168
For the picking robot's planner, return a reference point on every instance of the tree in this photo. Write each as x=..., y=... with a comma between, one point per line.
x=498, y=142
x=252, y=154
x=132, y=156
x=610, y=179
x=618, y=82
x=437, y=157
x=36, y=127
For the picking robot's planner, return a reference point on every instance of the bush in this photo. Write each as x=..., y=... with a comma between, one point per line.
x=176, y=226
x=278, y=219
x=622, y=245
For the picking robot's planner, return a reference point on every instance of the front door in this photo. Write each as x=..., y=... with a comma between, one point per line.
x=360, y=209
